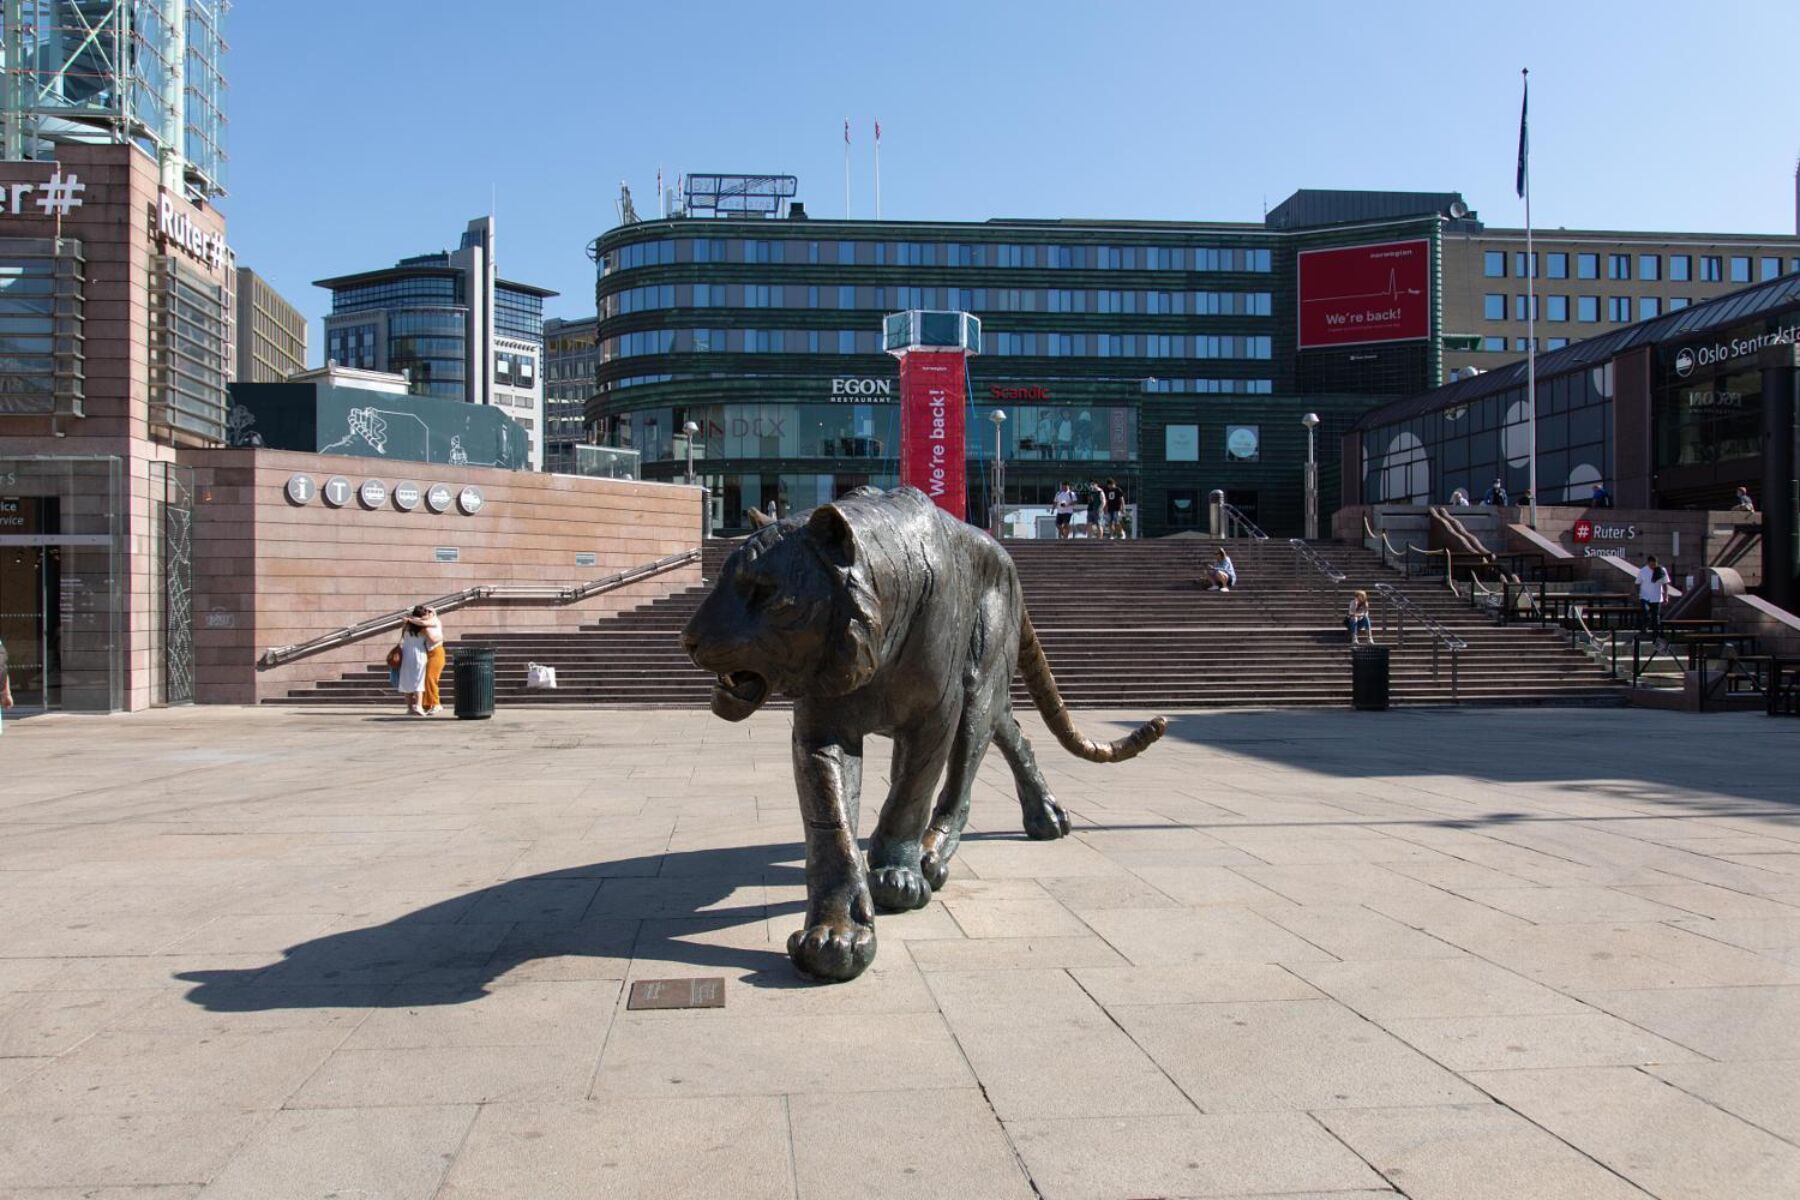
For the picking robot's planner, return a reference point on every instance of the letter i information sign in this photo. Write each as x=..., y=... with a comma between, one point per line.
x=933, y=349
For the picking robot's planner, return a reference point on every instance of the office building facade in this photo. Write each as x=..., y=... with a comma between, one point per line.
x=451, y=324
x=1178, y=357
x=1588, y=282
x=571, y=360
x=271, y=333
x=1165, y=355
x=116, y=301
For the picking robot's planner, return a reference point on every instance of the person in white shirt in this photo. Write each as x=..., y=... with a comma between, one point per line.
x=1065, y=511
x=1651, y=579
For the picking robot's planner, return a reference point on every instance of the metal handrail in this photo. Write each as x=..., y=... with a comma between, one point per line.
x=543, y=593
x=1238, y=525
x=1323, y=575
x=1402, y=607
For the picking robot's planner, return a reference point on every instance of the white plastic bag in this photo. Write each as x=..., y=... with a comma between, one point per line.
x=538, y=677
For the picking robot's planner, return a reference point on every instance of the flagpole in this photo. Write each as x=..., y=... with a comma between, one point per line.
x=1530, y=308
x=846, y=168
x=878, y=170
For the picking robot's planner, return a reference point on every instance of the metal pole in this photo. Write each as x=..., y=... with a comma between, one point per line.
x=1530, y=341
x=999, y=485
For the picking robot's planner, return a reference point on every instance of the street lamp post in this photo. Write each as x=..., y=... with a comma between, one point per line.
x=998, y=417
x=1311, y=421
x=690, y=429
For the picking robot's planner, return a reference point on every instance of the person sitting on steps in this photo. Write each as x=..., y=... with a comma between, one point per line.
x=1219, y=573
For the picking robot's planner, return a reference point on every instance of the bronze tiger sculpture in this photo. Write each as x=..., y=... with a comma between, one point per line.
x=883, y=614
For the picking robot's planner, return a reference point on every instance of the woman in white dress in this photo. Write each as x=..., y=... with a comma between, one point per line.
x=414, y=649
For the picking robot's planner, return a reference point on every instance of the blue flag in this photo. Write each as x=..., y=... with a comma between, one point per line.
x=1524, y=142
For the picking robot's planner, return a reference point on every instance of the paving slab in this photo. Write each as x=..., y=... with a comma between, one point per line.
x=1766, y=1094
x=1658, y=1137
x=1473, y=1152
x=395, y=1153
x=908, y=1144
x=1190, y=1155
x=1284, y=1055
x=630, y=1149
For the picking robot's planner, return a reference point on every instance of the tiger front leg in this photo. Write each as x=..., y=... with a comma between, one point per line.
x=838, y=942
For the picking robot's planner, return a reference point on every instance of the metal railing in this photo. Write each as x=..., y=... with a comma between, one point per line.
x=1238, y=525
x=1324, y=578
x=1402, y=609
x=495, y=593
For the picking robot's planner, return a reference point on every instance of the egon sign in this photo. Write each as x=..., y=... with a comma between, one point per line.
x=859, y=391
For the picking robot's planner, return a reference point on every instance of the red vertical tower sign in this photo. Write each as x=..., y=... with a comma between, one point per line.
x=933, y=349
x=932, y=445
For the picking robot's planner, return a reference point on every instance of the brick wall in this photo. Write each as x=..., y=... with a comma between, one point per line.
x=271, y=573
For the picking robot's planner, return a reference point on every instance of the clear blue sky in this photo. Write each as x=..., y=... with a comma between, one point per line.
x=361, y=132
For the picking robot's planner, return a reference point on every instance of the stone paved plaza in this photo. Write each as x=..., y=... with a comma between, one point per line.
x=1444, y=954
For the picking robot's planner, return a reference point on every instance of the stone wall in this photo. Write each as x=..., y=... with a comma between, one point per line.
x=269, y=572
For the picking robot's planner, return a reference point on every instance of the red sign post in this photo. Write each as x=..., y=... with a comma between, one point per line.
x=1358, y=294
x=932, y=449
x=933, y=349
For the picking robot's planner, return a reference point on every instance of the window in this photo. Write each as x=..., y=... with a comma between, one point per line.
x=1618, y=308
x=1555, y=343
x=1556, y=266
x=1181, y=443
x=1712, y=268
x=1494, y=264
x=1587, y=266
x=1519, y=265
x=1649, y=306
x=1519, y=308
x=1494, y=345
x=1681, y=268
x=1060, y=300
x=1587, y=309
x=1768, y=268
x=1677, y=303
x=760, y=295
x=1740, y=268
x=1556, y=308
x=1618, y=266
x=1650, y=266
x=1493, y=307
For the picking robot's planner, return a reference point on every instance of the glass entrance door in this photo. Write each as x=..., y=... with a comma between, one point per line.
x=31, y=623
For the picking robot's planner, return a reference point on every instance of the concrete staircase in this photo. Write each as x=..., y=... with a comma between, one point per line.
x=1124, y=625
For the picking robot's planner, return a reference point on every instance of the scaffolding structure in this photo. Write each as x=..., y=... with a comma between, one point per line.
x=149, y=72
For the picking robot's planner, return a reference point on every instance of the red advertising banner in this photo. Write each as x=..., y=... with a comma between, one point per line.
x=931, y=426
x=1357, y=294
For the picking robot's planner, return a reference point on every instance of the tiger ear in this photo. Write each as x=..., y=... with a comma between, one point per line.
x=832, y=531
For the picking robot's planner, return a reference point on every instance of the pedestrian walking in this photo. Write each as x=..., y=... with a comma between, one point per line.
x=1652, y=578
x=1601, y=498
x=1219, y=573
x=1356, y=620
x=1065, y=511
x=1496, y=495
x=1096, y=500
x=1744, y=503
x=1115, y=509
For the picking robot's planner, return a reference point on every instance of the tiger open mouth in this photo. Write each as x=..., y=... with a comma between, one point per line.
x=738, y=694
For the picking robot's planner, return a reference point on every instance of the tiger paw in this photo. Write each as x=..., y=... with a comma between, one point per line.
x=1045, y=820
x=831, y=951
x=899, y=889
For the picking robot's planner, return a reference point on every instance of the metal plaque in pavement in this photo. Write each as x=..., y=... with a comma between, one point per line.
x=677, y=993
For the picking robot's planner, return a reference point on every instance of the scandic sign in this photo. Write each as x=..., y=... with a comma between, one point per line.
x=1359, y=294
x=932, y=384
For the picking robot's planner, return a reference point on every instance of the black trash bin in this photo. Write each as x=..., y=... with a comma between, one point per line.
x=1368, y=678
x=474, y=675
